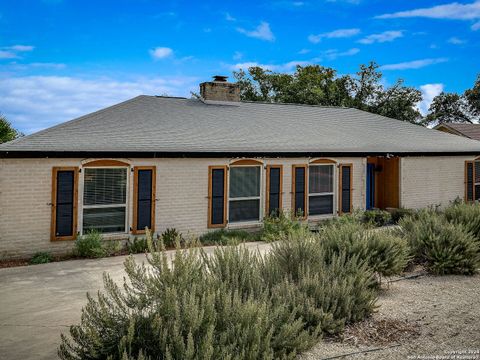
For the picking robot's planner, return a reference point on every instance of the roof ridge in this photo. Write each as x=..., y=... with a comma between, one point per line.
x=295, y=104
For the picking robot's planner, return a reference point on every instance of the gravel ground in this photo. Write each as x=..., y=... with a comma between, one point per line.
x=445, y=311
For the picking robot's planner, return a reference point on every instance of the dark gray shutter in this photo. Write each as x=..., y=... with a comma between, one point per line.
x=218, y=197
x=64, y=203
x=469, y=180
x=144, y=199
x=274, y=191
x=346, y=188
x=300, y=191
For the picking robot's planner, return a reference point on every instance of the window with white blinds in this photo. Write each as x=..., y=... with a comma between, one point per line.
x=105, y=199
x=244, y=194
x=321, y=189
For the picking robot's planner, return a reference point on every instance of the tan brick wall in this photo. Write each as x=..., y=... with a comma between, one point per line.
x=429, y=181
x=182, y=189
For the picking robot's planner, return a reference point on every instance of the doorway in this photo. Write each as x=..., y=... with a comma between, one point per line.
x=383, y=182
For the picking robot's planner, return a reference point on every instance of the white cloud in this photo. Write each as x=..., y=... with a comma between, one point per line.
x=475, y=26
x=33, y=103
x=456, y=41
x=237, y=55
x=340, y=33
x=385, y=36
x=415, y=64
x=453, y=10
x=304, y=51
x=332, y=54
x=429, y=91
x=289, y=66
x=161, y=52
x=21, y=48
x=262, y=32
x=6, y=54
x=229, y=17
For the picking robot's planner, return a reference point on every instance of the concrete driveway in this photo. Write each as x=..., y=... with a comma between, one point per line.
x=39, y=302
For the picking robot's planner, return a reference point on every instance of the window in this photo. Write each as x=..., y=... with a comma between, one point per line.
x=64, y=203
x=472, y=180
x=105, y=199
x=320, y=189
x=244, y=193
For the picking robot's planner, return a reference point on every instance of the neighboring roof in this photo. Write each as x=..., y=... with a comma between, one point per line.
x=163, y=126
x=471, y=131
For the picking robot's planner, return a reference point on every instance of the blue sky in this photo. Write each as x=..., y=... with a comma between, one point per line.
x=60, y=59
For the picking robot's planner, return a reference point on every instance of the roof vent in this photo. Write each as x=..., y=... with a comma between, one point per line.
x=220, y=78
x=220, y=90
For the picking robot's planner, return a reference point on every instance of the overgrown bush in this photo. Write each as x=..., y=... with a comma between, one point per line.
x=466, y=214
x=41, y=258
x=137, y=245
x=233, y=304
x=385, y=253
x=445, y=247
x=90, y=245
x=170, y=237
x=278, y=227
x=227, y=237
x=398, y=214
x=377, y=217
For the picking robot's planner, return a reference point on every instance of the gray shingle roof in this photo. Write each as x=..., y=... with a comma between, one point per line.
x=471, y=131
x=178, y=125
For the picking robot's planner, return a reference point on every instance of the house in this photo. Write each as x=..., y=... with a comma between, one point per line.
x=217, y=162
x=471, y=131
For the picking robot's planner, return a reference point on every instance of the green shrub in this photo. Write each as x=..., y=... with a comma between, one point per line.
x=400, y=213
x=170, y=237
x=385, y=253
x=227, y=237
x=444, y=247
x=90, y=245
x=278, y=227
x=234, y=304
x=137, y=245
x=466, y=214
x=41, y=258
x=377, y=217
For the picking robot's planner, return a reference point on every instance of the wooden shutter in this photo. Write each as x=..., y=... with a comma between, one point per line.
x=345, y=188
x=144, y=180
x=64, y=203
x=217, y=196
x=274, y=190
x=299, y=189
x=469, y=181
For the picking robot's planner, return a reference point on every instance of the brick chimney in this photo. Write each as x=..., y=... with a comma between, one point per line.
x=220, y=90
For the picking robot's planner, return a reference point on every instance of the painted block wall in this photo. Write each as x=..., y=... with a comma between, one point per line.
x=181, y=193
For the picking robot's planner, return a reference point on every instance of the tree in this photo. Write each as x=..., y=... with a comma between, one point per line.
x=7, y=132
x=318, y=85
x=473, y=97
x=455, y=108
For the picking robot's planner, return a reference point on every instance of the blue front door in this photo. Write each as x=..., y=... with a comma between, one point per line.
x=370, y=186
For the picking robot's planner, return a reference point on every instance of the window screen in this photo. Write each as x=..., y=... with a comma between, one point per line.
x=104, y=199
x=320, y=192
x=244, y=199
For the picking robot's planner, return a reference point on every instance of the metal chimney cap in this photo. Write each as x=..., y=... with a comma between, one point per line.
x=220, y=78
